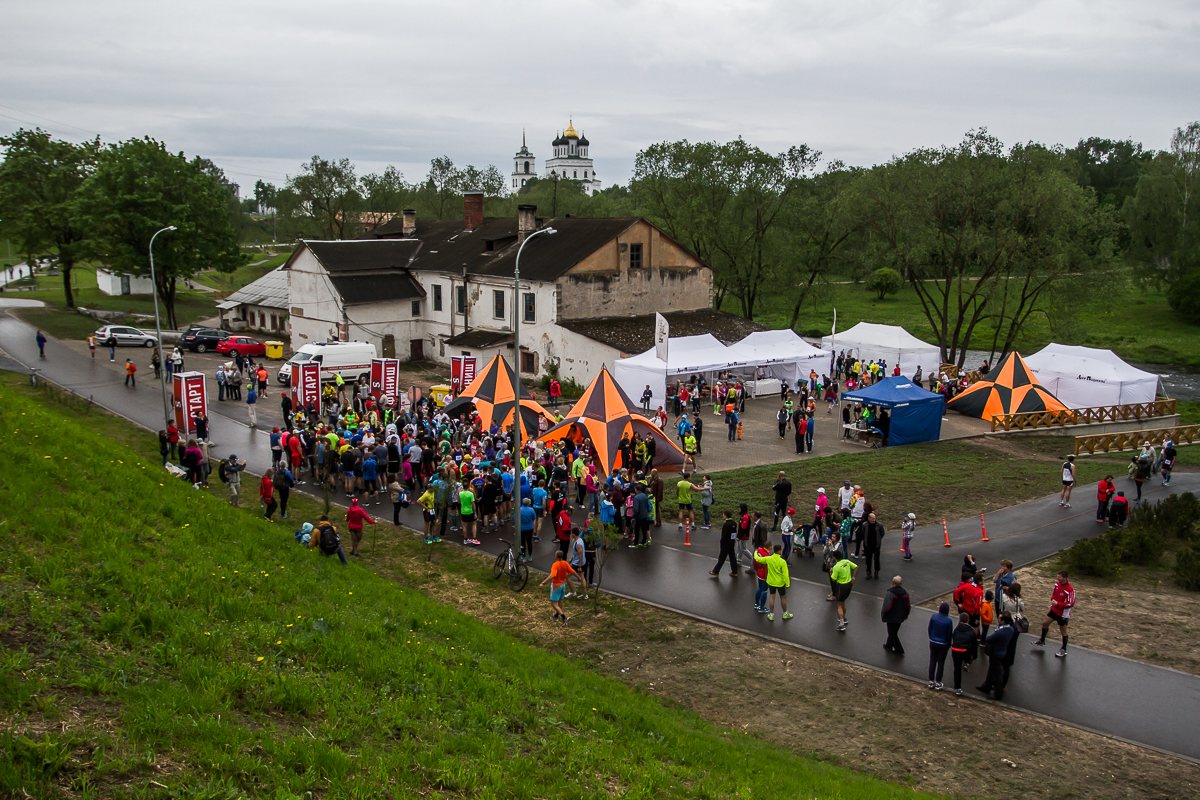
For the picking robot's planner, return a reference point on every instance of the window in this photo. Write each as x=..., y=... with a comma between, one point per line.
x=522, y=181
x=526, y=167
x=530, y=305
x=528, y=362
x=498, y=303
x=585, y=174
x=460, y=299
x=416, y=308
x=635, y=256
x=575, y=174
x=437, y=297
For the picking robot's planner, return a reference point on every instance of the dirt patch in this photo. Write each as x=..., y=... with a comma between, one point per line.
x=1143, y=616
x=818, y=706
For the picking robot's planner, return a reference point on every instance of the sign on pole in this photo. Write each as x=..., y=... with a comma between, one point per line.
x=385, y=376
x=189, y=399
x=462, y=372
x=662, y=335
x=306, y=385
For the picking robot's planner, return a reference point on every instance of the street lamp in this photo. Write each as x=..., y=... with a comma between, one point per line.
x=158, y=329
x=517, y=378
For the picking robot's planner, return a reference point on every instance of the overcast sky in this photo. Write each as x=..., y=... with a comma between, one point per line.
x=259, y=87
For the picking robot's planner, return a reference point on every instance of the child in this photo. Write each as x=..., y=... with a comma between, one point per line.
x=906, y=534
x=987, y=613
x=560, y=578
x=739, y=430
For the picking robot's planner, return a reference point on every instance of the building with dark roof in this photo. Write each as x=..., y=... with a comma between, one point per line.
x=441, y=288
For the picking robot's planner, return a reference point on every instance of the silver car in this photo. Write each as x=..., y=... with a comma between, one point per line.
x=124, y=335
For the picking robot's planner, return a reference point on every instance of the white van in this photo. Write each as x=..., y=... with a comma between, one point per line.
x=352, y=360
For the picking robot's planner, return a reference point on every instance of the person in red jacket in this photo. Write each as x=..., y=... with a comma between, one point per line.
x=1062, y=600
x=562, y=528
x=1104, y=493
x=266, y=494
x=355, y=517
x=555, y=392
x=969, y=598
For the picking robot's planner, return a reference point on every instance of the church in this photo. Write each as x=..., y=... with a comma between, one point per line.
x=569, y=162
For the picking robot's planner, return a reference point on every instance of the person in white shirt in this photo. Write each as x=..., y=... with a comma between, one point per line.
x=786, y=528
x=845, y=495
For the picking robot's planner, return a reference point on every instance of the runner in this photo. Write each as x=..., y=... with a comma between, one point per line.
x=778, y=580
x=527, y=522
x=1062, y=600
x=466, y=503
x=1068, y=480
x=130, y=373
x=761, y=552
x=684, y=494
x=842, y=577
x=728, y=543
x=1169, y=454
x=560, y=578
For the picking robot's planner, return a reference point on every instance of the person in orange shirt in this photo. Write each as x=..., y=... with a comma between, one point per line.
x=560, y=577
x=262, y=380
x=130, y=370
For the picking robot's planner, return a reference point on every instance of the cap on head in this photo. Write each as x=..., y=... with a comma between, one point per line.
x=846, y=482
x=821, y=490
x=791, y=511
x=910, y=515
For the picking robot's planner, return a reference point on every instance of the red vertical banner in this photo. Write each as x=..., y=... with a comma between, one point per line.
x=306, y=385
x=385, y=377
x=462, y=372
x=190, y=398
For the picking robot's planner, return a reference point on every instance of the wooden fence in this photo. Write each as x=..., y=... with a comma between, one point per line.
x=1081, y=416
x=1132, y=440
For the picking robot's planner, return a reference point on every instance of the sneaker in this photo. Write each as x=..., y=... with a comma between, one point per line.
x=429, y=541
x=932, y=684
x=771, y=616
x=1066, y=505
x=554, y=616
x=958, y=692
x=568, y=594
x=938, y=687
x=1039, y=643
x=436, y=539
x=1060, y=503
x=1061, y=653
x=841, y=627
x=733, y=574
x=714, y=573
x=647, y=542
x=788, y=615
x=583, y=596
x=565, y=619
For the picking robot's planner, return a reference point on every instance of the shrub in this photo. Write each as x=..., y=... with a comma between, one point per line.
x=885, y=281
x=1187, y=568
x=1178, y=515
x=1141, y=544
x=1095, y=557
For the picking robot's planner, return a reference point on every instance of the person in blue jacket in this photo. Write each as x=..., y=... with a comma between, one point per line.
x=941, y=629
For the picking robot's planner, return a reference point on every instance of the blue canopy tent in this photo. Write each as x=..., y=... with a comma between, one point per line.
x=916, y=415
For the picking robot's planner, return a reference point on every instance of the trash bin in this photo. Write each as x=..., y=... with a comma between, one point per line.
x=438, y=393
x=274, y=349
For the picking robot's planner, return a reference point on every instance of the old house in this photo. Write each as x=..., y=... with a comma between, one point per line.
x=441, y=288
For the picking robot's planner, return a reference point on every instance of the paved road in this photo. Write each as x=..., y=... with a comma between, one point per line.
x=1130, y=700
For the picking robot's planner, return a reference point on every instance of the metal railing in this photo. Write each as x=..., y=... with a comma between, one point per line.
x=1132, y=440
x=1082, y=416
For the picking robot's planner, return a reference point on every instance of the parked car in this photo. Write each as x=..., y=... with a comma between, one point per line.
x=125, y=335
x=241, y=345
x=199, y=340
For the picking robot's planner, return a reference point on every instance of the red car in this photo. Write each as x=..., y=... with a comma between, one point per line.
x=241, y=345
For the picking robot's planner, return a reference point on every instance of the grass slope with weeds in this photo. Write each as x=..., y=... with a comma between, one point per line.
x=158, y=643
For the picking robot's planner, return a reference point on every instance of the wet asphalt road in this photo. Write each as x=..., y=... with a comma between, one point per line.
x=1126, y=699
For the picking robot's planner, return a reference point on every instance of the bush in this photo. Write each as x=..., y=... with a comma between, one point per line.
x=1178, y=514
x=1095, y=557
x=885, y=281
x=1187, y=568
x=1140, y=545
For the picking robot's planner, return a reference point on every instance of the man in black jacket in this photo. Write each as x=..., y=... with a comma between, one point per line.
x=783, y=491
x=999, y=644
x=872, y=537
x=896, y=606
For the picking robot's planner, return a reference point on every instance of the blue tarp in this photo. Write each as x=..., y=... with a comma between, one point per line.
x=916, y=415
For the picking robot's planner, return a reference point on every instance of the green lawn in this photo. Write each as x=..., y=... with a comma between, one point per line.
x=1137, y=326
x=228, y=282
x=158, y=643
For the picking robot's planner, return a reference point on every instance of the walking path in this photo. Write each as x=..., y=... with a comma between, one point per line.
x=1129, y=700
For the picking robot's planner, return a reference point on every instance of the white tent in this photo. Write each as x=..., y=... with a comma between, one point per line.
x=686, y=355
x=1082, y=377
x=786, y=355
x=871, y=342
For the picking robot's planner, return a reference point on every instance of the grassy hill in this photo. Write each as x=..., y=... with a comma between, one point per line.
x=158, y=643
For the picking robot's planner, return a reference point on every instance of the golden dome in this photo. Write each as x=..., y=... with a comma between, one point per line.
x=570, y=133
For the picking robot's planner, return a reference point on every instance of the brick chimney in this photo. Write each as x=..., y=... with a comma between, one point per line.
x=472, y=210
x=526, y=221
x=410, y=222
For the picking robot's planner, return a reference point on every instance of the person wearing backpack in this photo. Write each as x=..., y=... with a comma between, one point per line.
x=283, y=483
x=230, y=472
x=325, y=538
x=266, y=494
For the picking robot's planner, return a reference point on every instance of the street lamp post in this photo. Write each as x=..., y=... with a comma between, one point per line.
x=162, y=383
x=517, y=381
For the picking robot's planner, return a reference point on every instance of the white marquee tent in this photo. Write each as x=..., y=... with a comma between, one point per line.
x=686, y=355
x=1082, y=377
x=786, y=355
x=871, y=342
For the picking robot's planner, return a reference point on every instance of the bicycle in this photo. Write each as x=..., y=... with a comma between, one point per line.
x=507, y=563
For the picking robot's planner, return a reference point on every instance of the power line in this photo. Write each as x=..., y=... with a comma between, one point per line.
x=47, y=119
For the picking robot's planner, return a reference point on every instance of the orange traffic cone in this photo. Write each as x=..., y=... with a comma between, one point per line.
x=983, y=525
x=946, y=533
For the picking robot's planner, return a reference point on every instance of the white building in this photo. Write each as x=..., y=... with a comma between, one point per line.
x=524, y=165
x=440, y=288
x=571, y=161
x=261, y=305
x=122, y=283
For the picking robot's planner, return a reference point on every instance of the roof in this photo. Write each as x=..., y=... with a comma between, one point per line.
x=270, y=291
x=636, y=334
x=353, y=255
x=480, y=337
x=491, y=249
x=891, y=392
x=385, y=285
x=869, y=335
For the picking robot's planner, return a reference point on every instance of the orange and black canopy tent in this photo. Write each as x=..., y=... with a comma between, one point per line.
x=602, y=416
x=492, y=395
x=1011, y=389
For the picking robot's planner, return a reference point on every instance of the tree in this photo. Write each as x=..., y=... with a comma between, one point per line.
x=1163, y=221
x=264, y=196
x=385, y=193
x=723, y=202
x=982, y=234
x=139, y=188
x=39, y=180
x=441, y=193
x=328, y=192
x=1110, y=167
x=885, y=281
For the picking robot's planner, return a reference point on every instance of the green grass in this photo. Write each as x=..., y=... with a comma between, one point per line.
x=158, y=643
x=228, y=282
x=1140, y=327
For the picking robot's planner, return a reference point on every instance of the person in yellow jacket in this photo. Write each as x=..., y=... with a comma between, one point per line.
x=778, y=581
